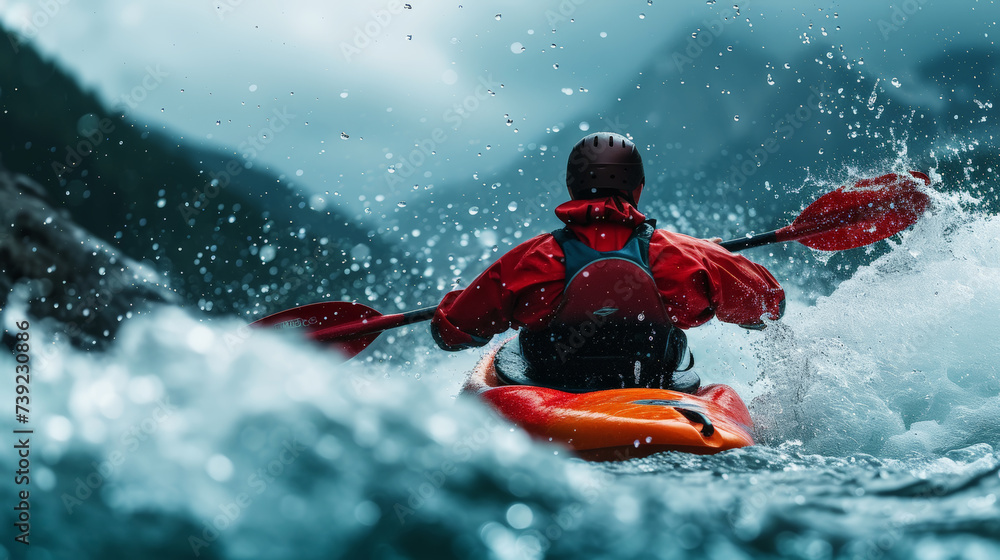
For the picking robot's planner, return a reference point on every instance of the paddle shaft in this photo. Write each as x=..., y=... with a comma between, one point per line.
x=374, y=324
x=738, y=244
x=787, y=233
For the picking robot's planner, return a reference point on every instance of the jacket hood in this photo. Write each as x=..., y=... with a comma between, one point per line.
x=604, y=223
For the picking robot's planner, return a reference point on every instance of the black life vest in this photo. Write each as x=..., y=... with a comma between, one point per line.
x=611, y=328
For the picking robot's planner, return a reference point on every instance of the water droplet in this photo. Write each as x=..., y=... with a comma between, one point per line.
x=556, y=66
x=344, y=136
x=253, y=87
x=401, y=204
x=895, y=82
x=736, y=118
x=770, y=80
x=516, y=47
x=473, y=210
x=512, y=206
x=642, y=16
x=497, y=17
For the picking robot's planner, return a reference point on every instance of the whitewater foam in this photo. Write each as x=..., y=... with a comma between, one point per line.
x=901, y=358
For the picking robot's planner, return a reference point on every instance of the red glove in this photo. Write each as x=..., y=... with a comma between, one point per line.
x=448, y=336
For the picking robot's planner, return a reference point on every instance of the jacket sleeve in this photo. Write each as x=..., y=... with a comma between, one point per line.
x=470, y=317
x=741, y=291
x=446, y=334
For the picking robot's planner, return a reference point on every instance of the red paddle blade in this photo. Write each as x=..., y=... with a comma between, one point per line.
x=851, y=217
x=318, y=316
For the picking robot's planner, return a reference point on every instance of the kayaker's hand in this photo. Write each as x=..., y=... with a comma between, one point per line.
x=448, y=336
x=714, y=239
x=451, y=339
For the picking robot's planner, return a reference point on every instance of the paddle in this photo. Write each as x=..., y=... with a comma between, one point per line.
x=348, y=326
x=846, y=218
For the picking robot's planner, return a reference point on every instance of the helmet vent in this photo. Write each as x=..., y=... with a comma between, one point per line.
x=596, y=162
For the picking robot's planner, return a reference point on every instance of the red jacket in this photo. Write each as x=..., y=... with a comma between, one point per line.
x=697, y=279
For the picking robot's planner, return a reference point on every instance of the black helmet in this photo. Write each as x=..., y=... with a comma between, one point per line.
x=605, y=164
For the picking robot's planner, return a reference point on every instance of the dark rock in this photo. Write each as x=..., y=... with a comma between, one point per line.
x=62, y=272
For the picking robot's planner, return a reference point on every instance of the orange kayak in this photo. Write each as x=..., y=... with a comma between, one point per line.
x=618, y=424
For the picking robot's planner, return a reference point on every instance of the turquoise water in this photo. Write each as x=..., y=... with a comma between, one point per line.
x=875, y=399
x=875, y=409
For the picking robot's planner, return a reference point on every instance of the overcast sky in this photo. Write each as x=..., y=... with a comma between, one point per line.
x=342, y=90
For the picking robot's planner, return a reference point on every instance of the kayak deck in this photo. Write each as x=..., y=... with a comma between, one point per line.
x=619, y=424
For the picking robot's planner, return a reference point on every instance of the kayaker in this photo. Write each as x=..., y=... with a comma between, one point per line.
x=603, y=302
